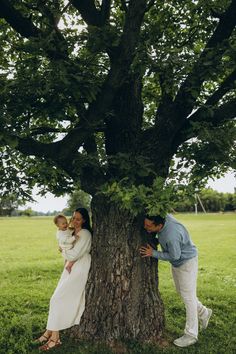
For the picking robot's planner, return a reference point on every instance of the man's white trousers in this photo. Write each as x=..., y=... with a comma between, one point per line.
x=185, y=279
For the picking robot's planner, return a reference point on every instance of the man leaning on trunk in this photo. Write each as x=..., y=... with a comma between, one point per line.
x=179, y=250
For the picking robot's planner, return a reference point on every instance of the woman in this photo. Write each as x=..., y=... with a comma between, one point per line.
x=67, y=304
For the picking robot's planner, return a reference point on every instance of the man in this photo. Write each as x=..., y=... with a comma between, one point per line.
x=179, y=250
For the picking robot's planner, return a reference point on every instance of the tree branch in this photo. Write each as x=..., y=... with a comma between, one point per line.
x=27, y=29
x=48, y=13
x=209, y=113
x=27, y=145
x=66, y=7
x=213, y=51
x=227, y=84
x=150, y=5
x=99, y=109
x=53, y=151
x=21, y=24
x=91, y=119
x=124, y=6
x=216, y=117
x=45, y=130
x=78, y=166
x=105, y=10
x=90, y=14
x=125, y=52
x=64, y=151
x=90, y=145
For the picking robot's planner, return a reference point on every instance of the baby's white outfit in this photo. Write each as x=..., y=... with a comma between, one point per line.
x=65, y=239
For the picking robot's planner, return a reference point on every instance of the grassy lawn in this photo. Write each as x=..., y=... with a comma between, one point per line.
x=30, y=267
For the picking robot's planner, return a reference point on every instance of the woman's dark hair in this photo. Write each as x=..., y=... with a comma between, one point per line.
x=156, y=219
x=85, y=215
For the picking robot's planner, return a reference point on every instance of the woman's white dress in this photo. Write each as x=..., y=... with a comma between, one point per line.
x=67, y=303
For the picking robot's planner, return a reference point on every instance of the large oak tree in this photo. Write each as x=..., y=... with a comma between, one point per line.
x=102, y=95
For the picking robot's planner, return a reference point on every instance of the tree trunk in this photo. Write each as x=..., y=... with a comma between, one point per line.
x=122, y=297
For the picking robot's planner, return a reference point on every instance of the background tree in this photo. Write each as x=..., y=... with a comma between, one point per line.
x=9, y=203
x=230, y=202
x=79, y=199
x=212, y=200
x=103, y=95
x=27, y=212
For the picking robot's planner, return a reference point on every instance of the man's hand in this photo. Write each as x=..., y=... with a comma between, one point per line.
x=146, y=251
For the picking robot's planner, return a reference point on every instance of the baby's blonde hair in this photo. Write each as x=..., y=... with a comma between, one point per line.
x=57, y=217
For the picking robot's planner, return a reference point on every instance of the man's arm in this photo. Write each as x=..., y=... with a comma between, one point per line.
x=173, y=254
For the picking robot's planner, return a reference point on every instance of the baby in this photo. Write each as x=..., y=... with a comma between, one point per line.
x=64, y=236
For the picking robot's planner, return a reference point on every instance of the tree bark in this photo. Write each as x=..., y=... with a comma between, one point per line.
x=122, y=297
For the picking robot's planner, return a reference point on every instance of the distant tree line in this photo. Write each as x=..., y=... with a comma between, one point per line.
x=9, y=205
x=212, y=201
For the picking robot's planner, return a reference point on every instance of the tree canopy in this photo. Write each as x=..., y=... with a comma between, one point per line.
x=105, y=94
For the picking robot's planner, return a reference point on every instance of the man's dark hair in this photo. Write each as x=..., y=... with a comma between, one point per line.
x=157, y=219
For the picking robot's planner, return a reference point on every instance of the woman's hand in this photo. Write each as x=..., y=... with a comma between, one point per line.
x=71, y=224
x=59, y=249
x=146, y=251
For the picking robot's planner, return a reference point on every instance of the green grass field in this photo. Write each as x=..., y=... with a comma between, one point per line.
x=30, y=267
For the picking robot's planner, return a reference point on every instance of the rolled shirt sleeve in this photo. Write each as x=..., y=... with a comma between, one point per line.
x=81, y=247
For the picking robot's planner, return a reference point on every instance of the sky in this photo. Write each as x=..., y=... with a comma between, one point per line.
x=226, y=184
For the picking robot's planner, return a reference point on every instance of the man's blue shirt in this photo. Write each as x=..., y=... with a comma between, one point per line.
x=177, y=246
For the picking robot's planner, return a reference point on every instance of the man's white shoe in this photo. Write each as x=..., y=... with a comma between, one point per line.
x=185, y=341
x=205, y=320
